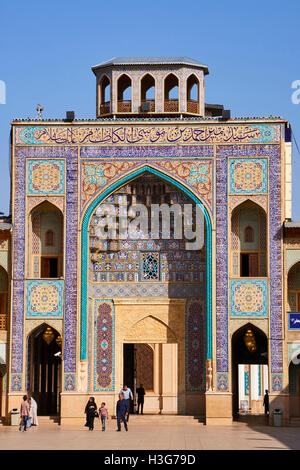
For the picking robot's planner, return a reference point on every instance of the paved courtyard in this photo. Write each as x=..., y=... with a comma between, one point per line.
x=152, y=432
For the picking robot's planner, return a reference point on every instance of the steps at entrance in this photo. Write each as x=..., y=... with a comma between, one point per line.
x=48, y=420
x=166, y=419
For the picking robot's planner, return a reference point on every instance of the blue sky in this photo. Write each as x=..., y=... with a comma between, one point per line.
x=47, y=49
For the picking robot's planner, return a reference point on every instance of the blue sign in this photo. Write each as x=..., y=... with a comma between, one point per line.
x=294, y=321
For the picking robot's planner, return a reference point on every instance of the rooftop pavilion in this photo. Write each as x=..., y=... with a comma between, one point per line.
x=152, y=86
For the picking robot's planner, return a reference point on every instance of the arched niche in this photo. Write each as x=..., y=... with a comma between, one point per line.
x=171, y=94
x=193, y=94
x=147, y=102
x=124, y=94
x=44, y=345
x=248, y=240
x=45, y=225
x=104, y=92
x=249, y=355
x=294, y=288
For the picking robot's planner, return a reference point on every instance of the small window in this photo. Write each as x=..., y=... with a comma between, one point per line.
x=150, y=266
x=49, y=238
x=249, y=235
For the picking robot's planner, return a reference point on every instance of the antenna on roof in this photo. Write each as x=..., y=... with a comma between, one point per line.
x=39, y=110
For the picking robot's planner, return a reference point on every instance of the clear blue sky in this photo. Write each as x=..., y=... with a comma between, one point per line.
x=47, y=48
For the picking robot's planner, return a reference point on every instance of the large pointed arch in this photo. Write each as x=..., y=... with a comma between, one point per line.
x=84, y=251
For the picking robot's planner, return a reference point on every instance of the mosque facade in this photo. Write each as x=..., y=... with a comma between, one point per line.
x=206, y=330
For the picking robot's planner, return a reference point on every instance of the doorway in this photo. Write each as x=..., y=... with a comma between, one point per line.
x=249, y=351
x=44, y=362
x=155, y=366
x=294, y=387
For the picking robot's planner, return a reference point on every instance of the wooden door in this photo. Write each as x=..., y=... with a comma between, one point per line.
x=45, y=267
x=253, y=264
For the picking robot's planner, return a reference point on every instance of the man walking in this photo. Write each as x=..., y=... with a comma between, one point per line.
x=140, y=393
x=127, y=395
x=24, y=412
x=122, y=412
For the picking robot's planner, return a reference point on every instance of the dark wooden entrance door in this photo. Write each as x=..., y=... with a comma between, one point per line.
x=46, y=372
x=128, y=374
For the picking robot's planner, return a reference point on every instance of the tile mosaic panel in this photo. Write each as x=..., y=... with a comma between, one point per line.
x=46, y=177
x=195, y=351
x=21, y=155
x=248, y=175
x=248, y=298
x=222, y=382
x=150, y=266
x=277, y=382
x=44, y=298
x=272, y=152
x=104, y=345
x=69, y=382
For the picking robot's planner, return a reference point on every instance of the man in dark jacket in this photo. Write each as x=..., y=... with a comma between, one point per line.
x=122, y=412
x=140, y=393
x=266, y=402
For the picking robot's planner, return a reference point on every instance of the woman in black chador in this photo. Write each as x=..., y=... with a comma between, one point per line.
x=90, y=411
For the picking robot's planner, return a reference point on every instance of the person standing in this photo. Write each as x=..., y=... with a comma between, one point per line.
x=24, y=412
x=266, y=403
x=127, y=396
x=103, y=415
x=91, y=411
x=28, y=424
x=122, y=412
x=33, y=409
x=140, y=393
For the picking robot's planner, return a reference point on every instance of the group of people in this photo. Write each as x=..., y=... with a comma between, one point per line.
x=122, y=408
x=28, y=413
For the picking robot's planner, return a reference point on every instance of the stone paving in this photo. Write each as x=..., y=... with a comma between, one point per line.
x=151, y=432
